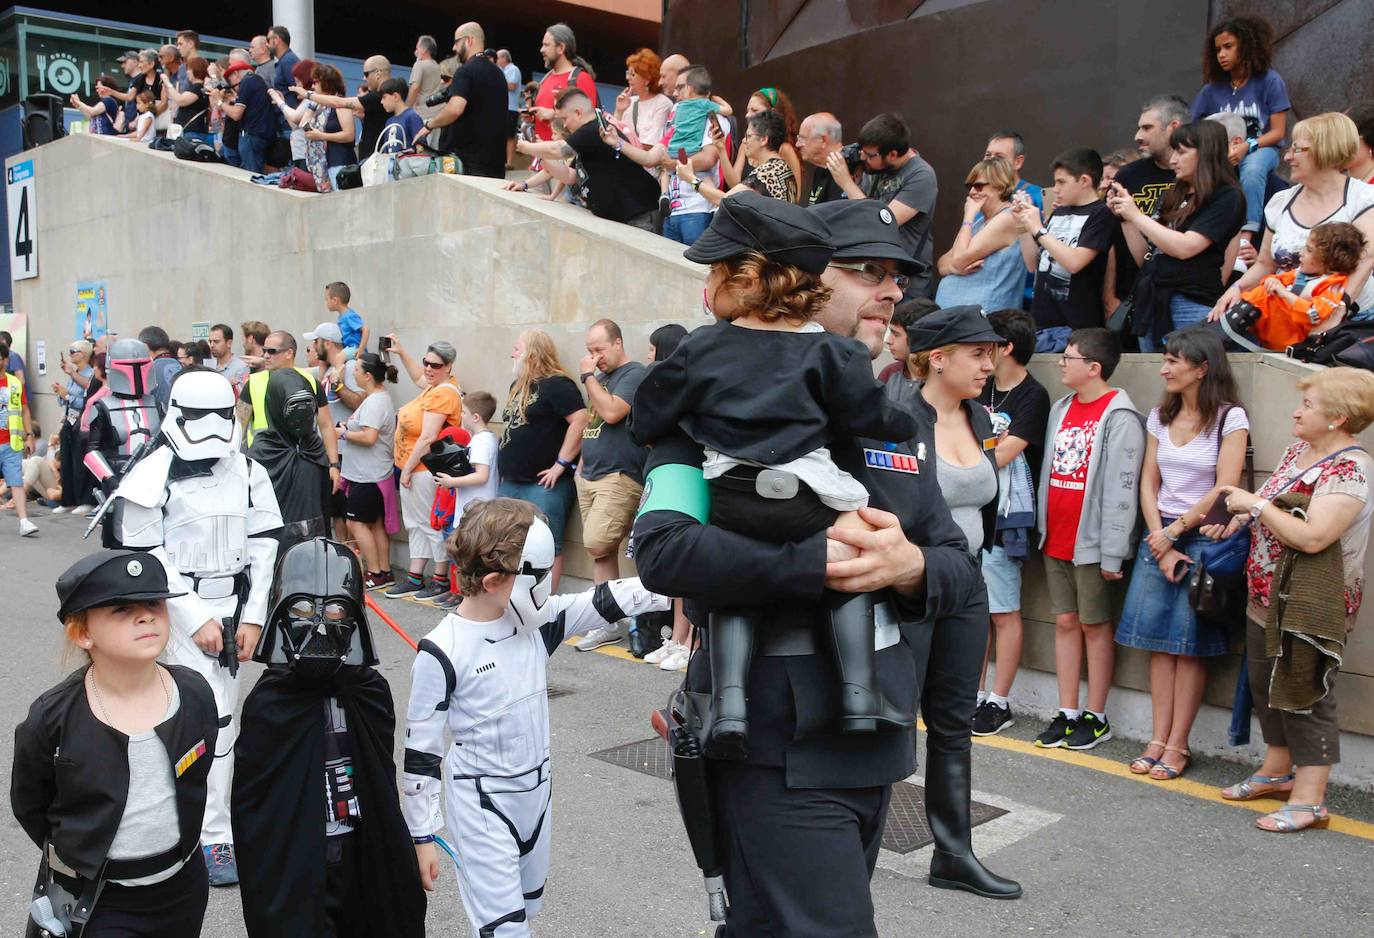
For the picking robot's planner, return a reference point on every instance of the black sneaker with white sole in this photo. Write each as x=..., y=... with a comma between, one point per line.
x=991, y=719
x=1087, y=732
x=1056, y=732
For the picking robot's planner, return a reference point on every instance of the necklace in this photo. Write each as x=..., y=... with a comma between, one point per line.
x=100, y=701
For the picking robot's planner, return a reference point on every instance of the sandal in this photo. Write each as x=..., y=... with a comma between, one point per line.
x=1142, y=764
x=1283, y=821
x=1259, y=786
x=1162, y=772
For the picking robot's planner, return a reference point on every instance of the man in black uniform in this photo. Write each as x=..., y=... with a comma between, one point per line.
x=801, y=818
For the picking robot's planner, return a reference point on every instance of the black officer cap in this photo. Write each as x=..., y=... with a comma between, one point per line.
x=956, y=325
x=781, y=231
x=865, y=229
x=110, y=577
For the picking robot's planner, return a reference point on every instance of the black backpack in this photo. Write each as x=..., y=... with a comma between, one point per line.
x=197, y=151
x=1327, y=348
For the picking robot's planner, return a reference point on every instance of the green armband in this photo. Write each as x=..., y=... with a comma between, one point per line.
x=676, y=487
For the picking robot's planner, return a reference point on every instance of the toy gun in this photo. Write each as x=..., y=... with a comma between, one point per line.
x=229, y=654
x=145, y=449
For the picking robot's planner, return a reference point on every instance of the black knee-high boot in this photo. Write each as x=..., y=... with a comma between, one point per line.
x=863, y=708
x=730, y=638
x=953, y=865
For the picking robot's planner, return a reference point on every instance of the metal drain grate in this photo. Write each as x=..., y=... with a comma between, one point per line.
x=906, y=828
x=649, y=756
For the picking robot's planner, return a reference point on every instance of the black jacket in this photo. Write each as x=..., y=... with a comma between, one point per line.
x=792, y=697
x=70, y=780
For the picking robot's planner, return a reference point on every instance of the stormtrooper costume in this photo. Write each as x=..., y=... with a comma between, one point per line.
x=208, y=513
x=484, y=685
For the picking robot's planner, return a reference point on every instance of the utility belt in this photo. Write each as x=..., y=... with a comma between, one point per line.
x=794, y=641
x=220, y=585
x=63, y=899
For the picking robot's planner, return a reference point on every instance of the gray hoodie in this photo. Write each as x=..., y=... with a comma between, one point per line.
x=1111, y=495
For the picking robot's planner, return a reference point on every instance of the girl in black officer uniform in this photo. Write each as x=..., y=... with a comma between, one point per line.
x=110, y=765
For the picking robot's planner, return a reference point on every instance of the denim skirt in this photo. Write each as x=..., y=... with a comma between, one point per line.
x=1158, y=615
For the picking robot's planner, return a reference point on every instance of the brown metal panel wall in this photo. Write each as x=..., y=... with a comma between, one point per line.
x=1062, y=72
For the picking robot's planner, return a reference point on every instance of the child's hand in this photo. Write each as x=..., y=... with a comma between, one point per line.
x=427, y=855
x=446, y=480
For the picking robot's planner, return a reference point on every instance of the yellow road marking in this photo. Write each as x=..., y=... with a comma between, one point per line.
x=1182, y=786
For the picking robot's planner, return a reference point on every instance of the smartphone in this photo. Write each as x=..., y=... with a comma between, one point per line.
x=1217, y=514
x=681, y=155
x=601, y=119
x=720, y=124
x=384, y=343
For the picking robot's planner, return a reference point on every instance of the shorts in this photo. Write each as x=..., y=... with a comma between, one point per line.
x=608, y=507
x=512, y=123
x=1003, y=577
x=363, y=502
x=335, y=503
x=12, y=464
x=555, y=503
x=1079, y=589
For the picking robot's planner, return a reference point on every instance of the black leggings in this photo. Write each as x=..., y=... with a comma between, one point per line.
x=173, y=908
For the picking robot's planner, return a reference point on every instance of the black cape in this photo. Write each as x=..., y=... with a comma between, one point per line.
x=278, y=808
x=299, y=469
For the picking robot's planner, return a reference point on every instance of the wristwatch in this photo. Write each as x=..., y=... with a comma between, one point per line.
x=586, y=375
x=1258, y=507
x=336, y=464
x=1040, y=234
x=696, y=185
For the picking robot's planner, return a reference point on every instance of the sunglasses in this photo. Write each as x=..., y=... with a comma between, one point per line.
x=975, y=186
x=429, y=364
x=273, y=351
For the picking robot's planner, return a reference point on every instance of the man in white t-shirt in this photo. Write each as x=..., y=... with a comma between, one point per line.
x=513, y=76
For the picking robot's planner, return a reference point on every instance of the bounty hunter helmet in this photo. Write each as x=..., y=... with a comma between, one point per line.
x=317, y=623
x=129, y=369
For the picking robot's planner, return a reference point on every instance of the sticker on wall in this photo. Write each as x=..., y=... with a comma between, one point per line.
x=92, y=310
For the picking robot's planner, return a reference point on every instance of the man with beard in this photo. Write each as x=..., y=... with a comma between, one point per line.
x=475, y=116
x=799, y=765
x=320, y=721
x=559, y=49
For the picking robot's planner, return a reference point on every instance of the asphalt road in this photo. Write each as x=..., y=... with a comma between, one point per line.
x=1098, y=853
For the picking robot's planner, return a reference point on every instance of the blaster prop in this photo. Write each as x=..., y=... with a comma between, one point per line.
x=695, y=802
x=229, y=654
x=145, y=449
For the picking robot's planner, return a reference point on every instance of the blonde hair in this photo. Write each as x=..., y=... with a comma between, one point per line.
x=772, y=290
x=489, y=539
x=1334, y=138
x=539, y=361
x=920, y=361
x=1345, y=392
x=998, y=172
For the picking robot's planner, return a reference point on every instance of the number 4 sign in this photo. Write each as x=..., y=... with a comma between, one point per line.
x=21, y=200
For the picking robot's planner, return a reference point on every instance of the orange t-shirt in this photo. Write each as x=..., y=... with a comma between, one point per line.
x=1280, y=324
x=443, y=399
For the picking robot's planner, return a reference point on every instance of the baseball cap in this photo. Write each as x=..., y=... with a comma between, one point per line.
x=329, y=331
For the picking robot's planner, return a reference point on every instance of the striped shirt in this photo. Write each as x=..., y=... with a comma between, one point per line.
x=1189, y=472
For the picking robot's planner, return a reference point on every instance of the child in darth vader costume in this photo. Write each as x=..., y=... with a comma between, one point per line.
x=291, y=451
x=317, y=819
x=477, y=728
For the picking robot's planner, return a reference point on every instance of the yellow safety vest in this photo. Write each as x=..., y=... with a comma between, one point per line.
x=257, y=397
x=16, y=404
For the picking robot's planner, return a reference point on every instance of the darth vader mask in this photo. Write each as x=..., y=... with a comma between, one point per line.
x=317, y=624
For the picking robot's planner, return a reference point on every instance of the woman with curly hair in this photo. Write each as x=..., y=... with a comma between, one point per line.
x=761, y=101
x=767, y=429
x=1236, y=66
x=544, y=418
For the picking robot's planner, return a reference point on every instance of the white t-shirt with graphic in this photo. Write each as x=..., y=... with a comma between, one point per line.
x=1290, y=235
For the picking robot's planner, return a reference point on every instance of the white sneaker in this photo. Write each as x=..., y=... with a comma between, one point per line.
x=59, y=509
x=675, y=661
x=27, y=527
x=662, y=651
x=607, y=635
x=81, y=510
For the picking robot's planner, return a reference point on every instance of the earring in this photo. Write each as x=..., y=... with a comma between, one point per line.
x=1330, y=426
x=939, y=369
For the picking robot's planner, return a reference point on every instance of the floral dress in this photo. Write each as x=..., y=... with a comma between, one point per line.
x=1347, y=474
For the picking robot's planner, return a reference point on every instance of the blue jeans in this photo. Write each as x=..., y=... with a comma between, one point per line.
x=686, y=228
x=1254, y=176
x=230, y=154
x=199, y=137
x=253, y=151
x=555, y=503
x=1184, y=312
x=1053, y=339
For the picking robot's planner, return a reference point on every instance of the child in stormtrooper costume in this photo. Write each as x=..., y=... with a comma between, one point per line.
x=477, y=727
x=209, y=513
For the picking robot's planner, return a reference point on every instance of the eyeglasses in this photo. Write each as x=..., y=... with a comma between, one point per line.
x=874, y=273
x=975, y=186
x=429, y=364
x=1295, y=149
x=870, y=156
x=1065, y=359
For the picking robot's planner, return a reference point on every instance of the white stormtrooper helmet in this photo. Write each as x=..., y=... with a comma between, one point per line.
x=533, y=583
x=200, y=423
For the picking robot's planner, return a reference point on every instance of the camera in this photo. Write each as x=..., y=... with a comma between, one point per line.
x=853, y=156
x=219, y=84
x=439, y=97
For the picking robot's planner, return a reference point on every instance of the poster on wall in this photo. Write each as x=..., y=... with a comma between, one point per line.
x=22, y=201
x=17, y=325
x=92, y=310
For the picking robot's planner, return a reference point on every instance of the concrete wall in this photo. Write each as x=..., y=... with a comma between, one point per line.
x=458, y=259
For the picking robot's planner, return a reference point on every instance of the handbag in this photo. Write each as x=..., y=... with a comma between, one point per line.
x=297, y=178
x=1120, y=319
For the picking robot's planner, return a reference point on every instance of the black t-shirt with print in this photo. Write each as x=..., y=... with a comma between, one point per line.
x=1074, y=300
x=1028, y=407
x=1199, y=277
x=617, y=187
x=1147, y=183
x=531, y=441
x=822, y=187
